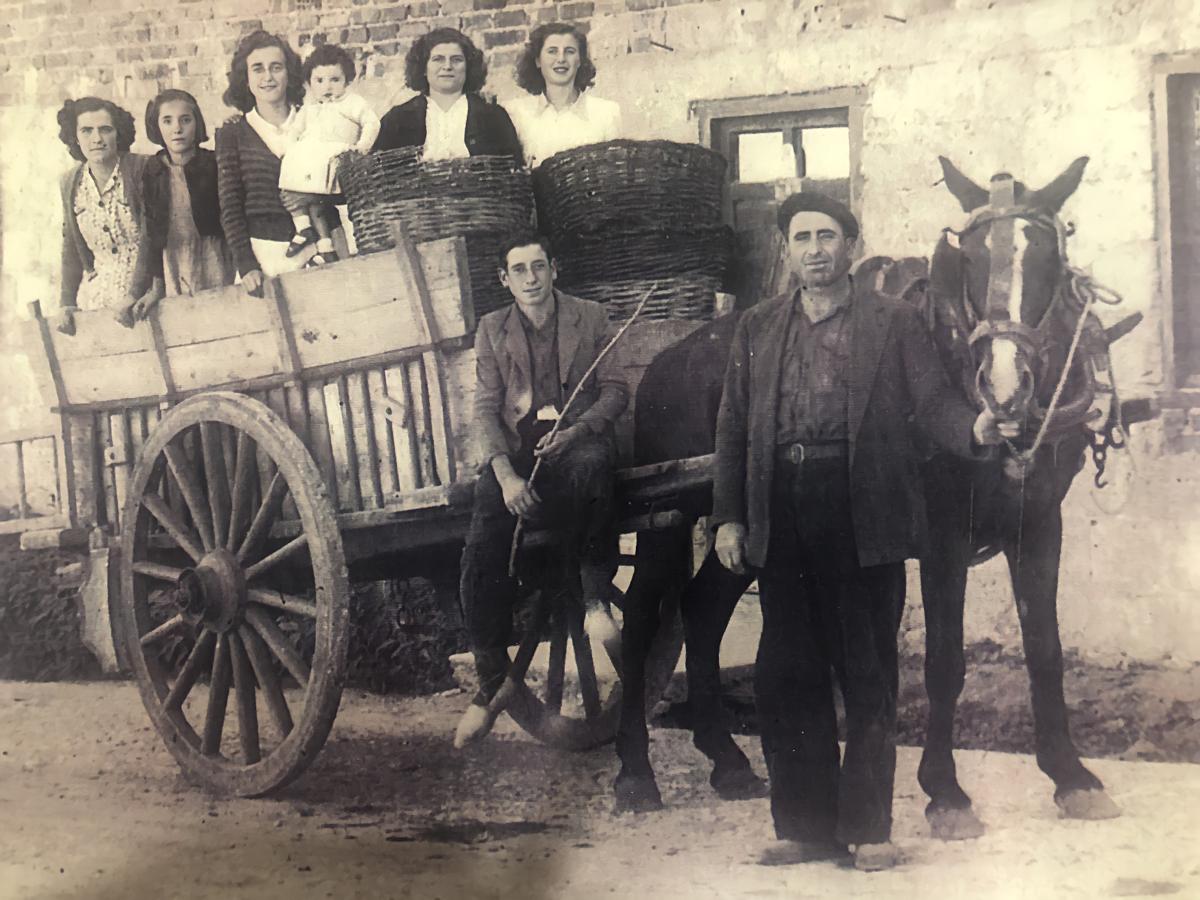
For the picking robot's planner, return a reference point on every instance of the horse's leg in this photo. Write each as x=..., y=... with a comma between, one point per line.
x=1033, y=562
x=943, y=588
x=655, y=573
x=707, y=605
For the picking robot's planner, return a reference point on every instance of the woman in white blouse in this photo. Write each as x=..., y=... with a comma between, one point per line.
x=560, y=113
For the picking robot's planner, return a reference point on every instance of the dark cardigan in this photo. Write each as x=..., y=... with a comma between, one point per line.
x=490, y=131
x=200, y=172
x=77, y=256
x=248, y=188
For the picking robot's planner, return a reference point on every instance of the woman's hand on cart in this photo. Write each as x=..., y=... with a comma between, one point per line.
x=146, y=302
x=252, y=283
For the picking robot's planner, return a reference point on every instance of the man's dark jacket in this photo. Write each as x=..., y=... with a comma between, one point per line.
x=490, y=131
x=896, y=384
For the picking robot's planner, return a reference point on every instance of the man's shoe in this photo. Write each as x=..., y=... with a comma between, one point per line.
x=793, y=853
x=738, y=783
x=635, y=794
x=474, y=725
x=300, y=240
x=875, y=857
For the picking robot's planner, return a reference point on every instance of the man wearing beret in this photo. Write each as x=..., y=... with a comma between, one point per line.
x=817, y=491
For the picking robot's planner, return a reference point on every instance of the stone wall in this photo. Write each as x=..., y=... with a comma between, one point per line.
x=1024, y=87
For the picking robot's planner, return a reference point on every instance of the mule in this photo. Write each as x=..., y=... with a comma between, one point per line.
x=1011, y=322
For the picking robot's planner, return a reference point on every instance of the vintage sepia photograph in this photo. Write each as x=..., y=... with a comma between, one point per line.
x=599, y=448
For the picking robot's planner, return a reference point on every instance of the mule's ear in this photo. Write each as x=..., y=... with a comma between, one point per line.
x=969, y=195
x=1055, y=194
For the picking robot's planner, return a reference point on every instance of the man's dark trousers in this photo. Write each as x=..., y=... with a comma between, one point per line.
x=576, y=491
x=822, y=611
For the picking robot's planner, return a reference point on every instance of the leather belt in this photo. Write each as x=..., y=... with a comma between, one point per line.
x=798, y=453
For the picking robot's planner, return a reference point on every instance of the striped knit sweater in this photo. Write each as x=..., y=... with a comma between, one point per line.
x=248, y=188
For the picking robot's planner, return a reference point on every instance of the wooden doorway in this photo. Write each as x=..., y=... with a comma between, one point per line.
x=1183, y=181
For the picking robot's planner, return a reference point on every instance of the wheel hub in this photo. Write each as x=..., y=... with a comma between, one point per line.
x=214, y=592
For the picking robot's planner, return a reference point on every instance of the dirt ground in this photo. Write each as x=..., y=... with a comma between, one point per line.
x=94, y=807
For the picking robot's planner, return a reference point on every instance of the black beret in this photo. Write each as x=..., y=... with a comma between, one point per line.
x=814, y=202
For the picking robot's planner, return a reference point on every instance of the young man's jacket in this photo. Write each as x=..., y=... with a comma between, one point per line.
x=896, y=384
x=504, y=386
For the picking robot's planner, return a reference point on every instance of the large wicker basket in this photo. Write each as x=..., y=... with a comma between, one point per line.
x=631, y=186
x=686, y=296
x=482, y=198
x=633, y=255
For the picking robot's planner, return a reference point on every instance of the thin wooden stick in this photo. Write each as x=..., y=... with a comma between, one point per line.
x=537, y=465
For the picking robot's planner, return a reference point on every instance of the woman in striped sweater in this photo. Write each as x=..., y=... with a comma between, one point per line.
x=265, y=83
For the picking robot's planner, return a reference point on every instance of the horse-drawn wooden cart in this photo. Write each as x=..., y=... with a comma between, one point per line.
x=250, y=458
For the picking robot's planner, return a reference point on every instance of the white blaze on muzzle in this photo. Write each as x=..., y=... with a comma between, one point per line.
x=1006, y=243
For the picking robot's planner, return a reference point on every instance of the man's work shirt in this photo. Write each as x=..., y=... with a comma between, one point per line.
x=813, y=391
x=547, y=386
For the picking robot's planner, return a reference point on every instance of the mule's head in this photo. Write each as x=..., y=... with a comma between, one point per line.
x=1013, y=257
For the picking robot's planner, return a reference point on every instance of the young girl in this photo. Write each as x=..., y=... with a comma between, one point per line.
x=331, y=122
x=184, y=244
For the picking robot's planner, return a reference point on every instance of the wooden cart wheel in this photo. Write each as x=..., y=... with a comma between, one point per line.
x=590, y=719
x=217, y=474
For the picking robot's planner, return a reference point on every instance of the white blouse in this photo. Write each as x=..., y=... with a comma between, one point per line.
x=545, y=130
x=446, y=130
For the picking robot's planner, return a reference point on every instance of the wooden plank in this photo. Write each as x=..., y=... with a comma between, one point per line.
x=212, y=316
x=98, y=336
x=22, y=494
x=341, y=441
x=419, y=405
x=444, y=454
x=385, y=441
x=114, y=378
x=231, y=360
x=277, y=401
x=322, y=446
x=365, y=446
x=404, y=431
x=281, y=327
x=159, y=344
x=112, y=513
x=86, y=484
x=45, y=365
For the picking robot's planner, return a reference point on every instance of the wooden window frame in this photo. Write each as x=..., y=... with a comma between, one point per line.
x=844, y=104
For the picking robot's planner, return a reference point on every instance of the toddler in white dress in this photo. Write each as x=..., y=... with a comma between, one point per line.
x=332, y=121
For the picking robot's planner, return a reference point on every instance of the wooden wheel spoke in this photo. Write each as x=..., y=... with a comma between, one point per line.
x=158, y=572
x=264, y=518
x=584, y=665
x=190, y=672
x=218, y=699
x=179, y=532
x=243, y=689
x=244, y=467
x=216, y=478
x=170, y=626
x=291, y=548
x=557, y=664
x=189, y=486
x=279, y=600
x=274, y=637
x=268, y=679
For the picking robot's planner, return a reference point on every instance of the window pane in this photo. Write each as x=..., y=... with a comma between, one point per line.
x=765, y=156
x=826, y=152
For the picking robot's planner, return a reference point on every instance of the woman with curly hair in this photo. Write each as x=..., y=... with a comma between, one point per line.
x=265, y=83
x=184, y=241
x=102, y=210
x=449, y=119
x=556, y=71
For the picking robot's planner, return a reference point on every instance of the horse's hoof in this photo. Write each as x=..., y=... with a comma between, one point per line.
x=959, y=824
x=635, y=794
x=738, y=783
x=1087, y=804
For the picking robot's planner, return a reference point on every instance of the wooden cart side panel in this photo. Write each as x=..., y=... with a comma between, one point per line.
x=385, y=442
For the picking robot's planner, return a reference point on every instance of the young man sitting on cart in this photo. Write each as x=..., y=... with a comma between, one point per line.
x=530, y=357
